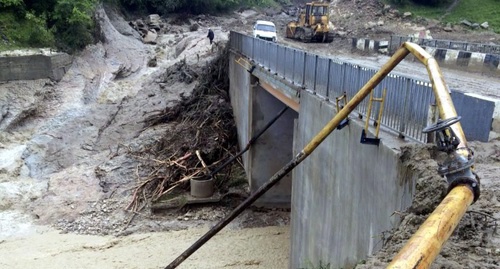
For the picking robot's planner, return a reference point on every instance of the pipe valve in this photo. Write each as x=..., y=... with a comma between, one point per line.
x=446, y=139
x=457, y=167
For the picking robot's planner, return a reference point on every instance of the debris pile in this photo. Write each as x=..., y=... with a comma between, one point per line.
x=201, y=135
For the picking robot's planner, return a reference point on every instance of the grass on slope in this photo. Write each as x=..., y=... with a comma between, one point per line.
x=477, y=11
x=474, y=11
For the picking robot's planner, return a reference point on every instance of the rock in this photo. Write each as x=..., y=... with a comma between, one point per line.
x=466, y=22
x=475, y=25
x=447, y=29
x=154, y=22
x=407, y=14
x=482, y=251
x=387, y=7
x=153, y=19
x=194, y=27
x=342, y=33
x=380, y=23
x=485, y=25
x=156, y=27
x=150, y=37
x=153, y=62
x=370, y=24
x=140, y=23
x=143, y=31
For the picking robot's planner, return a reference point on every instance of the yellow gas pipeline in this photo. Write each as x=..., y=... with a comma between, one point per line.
x=423, y=247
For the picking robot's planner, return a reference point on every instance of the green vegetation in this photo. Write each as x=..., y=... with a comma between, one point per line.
x=69, y=24
x=66, y=24
x=471, y=10
x=431, y=12
x=30, y=30
x=477, y=11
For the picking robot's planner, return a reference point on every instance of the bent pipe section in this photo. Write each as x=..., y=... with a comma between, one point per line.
x=446, y=109
x=424, y=246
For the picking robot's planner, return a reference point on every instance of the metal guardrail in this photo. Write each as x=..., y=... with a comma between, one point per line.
x=407, y=101
x=396, y=42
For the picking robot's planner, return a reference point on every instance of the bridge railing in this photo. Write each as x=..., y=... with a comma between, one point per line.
x=407, y=103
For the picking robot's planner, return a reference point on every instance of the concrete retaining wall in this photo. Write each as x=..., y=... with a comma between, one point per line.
x=368, y=45
x=344, y=194
x=484, y=63
x=469, y=61
x=34, y=67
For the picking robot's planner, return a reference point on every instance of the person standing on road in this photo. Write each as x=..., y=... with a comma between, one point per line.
x=210, y=35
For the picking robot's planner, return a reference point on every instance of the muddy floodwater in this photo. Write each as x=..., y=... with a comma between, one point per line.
x=254, y=248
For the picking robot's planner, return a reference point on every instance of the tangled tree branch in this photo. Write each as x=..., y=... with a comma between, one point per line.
x=201, y=133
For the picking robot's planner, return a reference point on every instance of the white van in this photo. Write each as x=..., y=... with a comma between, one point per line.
x=265, y=30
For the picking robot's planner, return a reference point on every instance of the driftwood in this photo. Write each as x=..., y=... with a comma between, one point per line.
x=201, y=133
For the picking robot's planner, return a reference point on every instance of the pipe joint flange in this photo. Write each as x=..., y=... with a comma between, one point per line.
x=471, y=182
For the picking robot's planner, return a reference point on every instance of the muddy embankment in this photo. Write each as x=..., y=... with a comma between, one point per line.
x=75, y=151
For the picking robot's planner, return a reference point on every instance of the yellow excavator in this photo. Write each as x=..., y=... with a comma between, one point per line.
x=313, y=24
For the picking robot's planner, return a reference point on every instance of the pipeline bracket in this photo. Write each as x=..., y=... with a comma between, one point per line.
x=364, y=138
x=250, y=67
x=367, y=140
x=343, y=124
x=343, y=98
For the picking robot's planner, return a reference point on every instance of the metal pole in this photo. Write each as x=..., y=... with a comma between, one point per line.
x=302, y=155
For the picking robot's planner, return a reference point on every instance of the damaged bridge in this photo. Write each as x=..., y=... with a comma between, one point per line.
x=344, y=194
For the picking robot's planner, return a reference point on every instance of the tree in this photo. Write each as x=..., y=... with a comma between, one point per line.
x=10, y=3
x=73, y=23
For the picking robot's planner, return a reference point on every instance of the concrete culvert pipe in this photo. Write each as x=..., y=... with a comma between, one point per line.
x=202, y=188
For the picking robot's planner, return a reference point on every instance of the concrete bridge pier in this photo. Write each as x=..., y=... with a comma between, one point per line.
x=273, y=149
x=254, y=107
